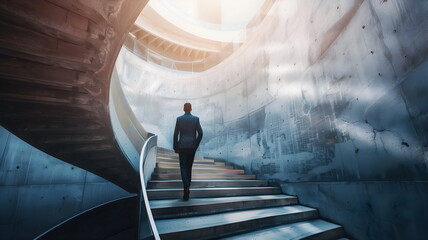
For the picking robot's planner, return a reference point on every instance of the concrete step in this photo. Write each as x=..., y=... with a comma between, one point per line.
x=165, y=149
x=175, y=156
x=207, y=183
x=167, y=152
x=223, y=224
x=199, y=170
x=177, y=165
x=176, y=193
x=195, y=164
x=167, y=157
x=313, y=229
x=175, y=208
x=175, y=176
x=203, y=164
x=173, y=160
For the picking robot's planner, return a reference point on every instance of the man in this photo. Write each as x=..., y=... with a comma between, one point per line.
x=185, y=144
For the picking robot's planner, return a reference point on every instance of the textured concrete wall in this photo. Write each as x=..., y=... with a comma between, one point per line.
x=369, y=209
x=326, y=92
x=38, y=191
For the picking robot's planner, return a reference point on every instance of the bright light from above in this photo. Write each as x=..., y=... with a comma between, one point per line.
x=227, y=12
x=219, y=20
x=195, y=35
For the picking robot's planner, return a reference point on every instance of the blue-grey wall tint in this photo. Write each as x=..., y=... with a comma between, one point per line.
x=327, y=91
x=38, y=191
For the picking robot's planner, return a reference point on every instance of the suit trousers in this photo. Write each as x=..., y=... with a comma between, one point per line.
x=186, y=156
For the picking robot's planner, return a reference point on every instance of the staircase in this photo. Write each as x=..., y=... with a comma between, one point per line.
x=56, y=62
x=226, y=203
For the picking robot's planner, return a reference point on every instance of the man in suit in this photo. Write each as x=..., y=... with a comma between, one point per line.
x=185, y=144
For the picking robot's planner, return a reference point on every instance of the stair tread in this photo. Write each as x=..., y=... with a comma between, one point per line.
x=210, y=166
x=174, y=169
x=200, y=167
x=209, y=189
x=297, y=230
x=202, y=171
x=194, y=162
x=175, y=193
x=169, y=164
x=176, y=156
x=155, y=204
x=176, y=176
x=200, y=222
x=197, y=183
x=211, y=180
x=164, y=161
x=177, y=159
x=211, y=173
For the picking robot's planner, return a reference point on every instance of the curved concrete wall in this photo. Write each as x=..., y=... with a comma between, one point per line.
x=329, y=100
x=39, y=191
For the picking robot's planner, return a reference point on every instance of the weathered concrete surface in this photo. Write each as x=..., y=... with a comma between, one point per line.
x=56, y=59
x=114, y=218
x=326, y=91
x=39, y=191
x=391, y=209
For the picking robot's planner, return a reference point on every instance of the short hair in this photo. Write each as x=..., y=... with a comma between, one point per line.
x=188, y=107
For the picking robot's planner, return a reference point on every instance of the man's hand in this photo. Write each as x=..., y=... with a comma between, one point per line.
x=176, y=151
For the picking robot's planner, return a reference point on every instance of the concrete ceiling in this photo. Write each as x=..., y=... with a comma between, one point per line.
x=158, y=37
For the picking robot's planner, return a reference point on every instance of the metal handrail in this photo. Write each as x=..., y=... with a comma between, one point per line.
x=139, y=147
x=146, y=224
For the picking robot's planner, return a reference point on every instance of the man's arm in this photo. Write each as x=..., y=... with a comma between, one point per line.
x=200, y=134
x=175, y=140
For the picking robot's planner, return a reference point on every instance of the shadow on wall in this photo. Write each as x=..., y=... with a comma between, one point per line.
x=355, y=113
x=39, y=191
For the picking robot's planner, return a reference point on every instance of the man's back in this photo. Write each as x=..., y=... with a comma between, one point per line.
x=185, y=132
x=185, y=144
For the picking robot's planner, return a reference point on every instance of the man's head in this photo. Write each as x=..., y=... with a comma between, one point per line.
x=187, y=107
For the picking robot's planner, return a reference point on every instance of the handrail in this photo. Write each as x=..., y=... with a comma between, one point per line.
x=132, y=138
x=146, y=224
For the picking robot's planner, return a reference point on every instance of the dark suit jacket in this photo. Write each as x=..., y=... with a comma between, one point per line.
x=185, y=132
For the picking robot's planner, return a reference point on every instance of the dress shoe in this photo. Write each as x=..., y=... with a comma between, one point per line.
x=186, y=193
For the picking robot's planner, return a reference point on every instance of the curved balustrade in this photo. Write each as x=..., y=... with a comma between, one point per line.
x=146, y=224
x=128, y=132
x=140, y=148
x=200, y=65
x=114, y=218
